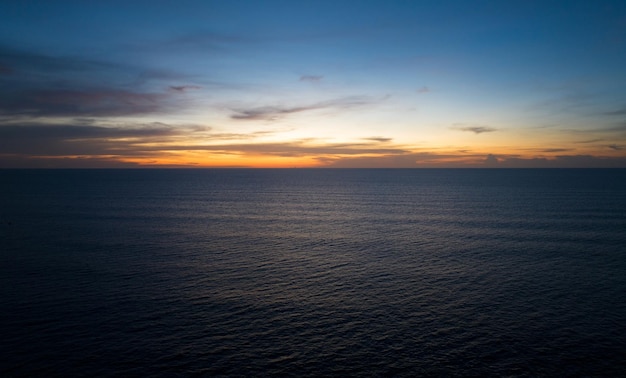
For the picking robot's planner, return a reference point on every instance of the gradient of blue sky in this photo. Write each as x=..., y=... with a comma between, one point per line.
x=313, y=83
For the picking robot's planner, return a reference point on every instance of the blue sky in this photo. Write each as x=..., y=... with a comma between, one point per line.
x=319, y=83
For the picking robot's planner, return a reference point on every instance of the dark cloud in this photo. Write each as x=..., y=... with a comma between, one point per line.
x=555, y=150
x=239, y=136
x=619, y=128
x=95, y=103
x=378, y=139
x=311, y=78
x=93, y=145
x=491, y=161
x=21, y=61
x=18, y=161
x=565, y=161
x=45, y=85
x=63, y=140
x=38, y=141
x=437, y=160
x=476, y=129
x=33, y=71
x=615, y=147
x=618, y=112
x=71, y=131
x=589, y=141
x=149, y=75
x=269, y=113
x=569, y=102
x=184, y=88
x=407, y=159
x=5, y=70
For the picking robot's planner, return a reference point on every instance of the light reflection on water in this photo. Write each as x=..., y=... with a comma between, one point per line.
x=313, y=272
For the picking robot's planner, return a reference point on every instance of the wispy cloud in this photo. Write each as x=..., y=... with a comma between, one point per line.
x=311, y=78
x=83, y=103
x=205, y=42
x=18, y=61
x=564, y=161
x=184, y=88
x=19, y=161
x=424, y=90
x=616, y=128
x=270, y=113
x=89, y=145
x=29, y=141
x=378, y=139
x=556, y=150
x=475, y=129
x=451, y=160
x=293, y=148
x=566, y=100
x=617, y=112
x=74, y=131
x=239, y=136
x=33, y=70
x=89, y=140
x=547, y=150
x=408, y=159
x=5, y=70
x=589, y=141
x=37, y=85
x=491, y=160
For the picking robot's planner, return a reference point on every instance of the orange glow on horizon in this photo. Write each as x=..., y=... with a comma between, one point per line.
x=448, y=156
x=202, y=160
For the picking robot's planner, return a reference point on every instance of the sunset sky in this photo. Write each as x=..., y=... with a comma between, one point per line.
x=312, y=83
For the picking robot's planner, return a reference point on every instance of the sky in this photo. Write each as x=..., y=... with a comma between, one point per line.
x=340, y=83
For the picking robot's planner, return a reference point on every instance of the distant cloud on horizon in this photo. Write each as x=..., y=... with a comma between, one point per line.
x=491, y=160
x=445, y=160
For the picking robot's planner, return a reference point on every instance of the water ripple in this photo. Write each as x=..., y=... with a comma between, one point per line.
x=313, y=273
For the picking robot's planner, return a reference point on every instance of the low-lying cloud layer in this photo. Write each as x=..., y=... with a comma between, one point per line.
x=447, y=160
x=28, y=144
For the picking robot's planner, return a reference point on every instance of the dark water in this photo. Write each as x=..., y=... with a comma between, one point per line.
x=313, y=272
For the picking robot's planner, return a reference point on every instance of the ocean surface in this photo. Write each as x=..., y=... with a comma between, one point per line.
x=313, y=272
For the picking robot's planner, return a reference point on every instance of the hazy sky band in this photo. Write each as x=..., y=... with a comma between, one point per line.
x=320, y=83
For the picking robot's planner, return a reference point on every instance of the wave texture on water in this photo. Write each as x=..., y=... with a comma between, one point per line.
x=313, y=272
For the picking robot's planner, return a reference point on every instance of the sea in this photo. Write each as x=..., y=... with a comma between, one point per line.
x=313, y=272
